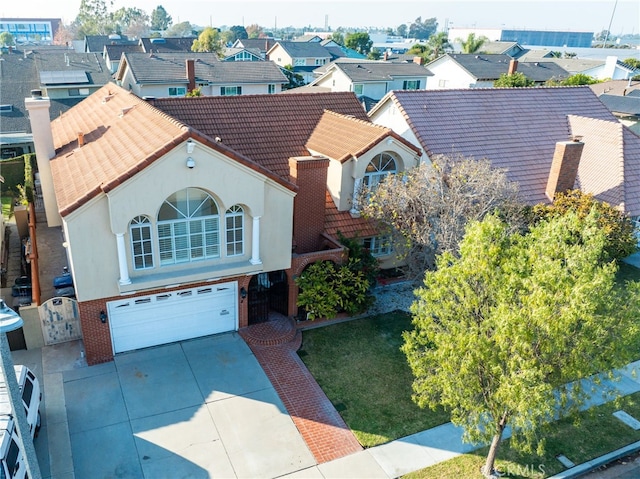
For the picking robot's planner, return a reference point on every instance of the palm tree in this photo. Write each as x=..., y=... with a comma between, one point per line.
x=438, y=44
x=472, y=44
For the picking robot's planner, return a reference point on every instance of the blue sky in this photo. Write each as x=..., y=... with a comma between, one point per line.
x=575, y=15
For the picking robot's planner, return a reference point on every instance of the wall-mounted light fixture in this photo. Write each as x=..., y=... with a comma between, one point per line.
x=103, y=317
x=190, y=146
x=191, y=163
x=243, y=292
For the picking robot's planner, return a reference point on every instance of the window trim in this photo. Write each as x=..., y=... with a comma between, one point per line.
x=236, y=212
x=227, y=90
x=141, y=223
x=178, y=91
x=378, y=245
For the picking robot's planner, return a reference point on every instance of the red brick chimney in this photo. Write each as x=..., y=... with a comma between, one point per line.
x=385, y=55
x=513, y=66
x=418, y=60
x=309, y=173
x=191, y=74
x=564, y=168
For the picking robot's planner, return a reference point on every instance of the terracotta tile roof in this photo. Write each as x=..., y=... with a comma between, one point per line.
x=346, y=224
x=115, y=146
x=610, y=162
x=515, y=128
x=123, y=134
x=269, y=129
x=341, y=137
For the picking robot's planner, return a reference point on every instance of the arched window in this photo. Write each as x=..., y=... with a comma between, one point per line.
x=188, y=227
x=381, y=166
x=141, y=245
x=234, y=222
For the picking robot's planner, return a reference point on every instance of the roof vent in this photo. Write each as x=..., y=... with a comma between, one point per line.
x=124, y=111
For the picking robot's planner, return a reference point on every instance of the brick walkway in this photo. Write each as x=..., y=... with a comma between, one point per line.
x=275, y=344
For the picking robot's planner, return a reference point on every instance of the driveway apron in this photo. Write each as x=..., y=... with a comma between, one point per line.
x=200, y=408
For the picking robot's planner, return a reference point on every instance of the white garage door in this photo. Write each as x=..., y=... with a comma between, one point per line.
x=162, y=318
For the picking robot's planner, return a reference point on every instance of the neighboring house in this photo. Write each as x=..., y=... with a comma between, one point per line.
x=96, y=43
x=513, y=49
x=261, y=45
x=174, y=74
x=67, y=78
x=203, y=210
x=304, y=57
x=339, y=51
x=609, y=69
x=242, y=55
x=373, y=79
x=113, y=51
x=622, y=97
x=472, y=70
x=525, y=130
x=166, y=44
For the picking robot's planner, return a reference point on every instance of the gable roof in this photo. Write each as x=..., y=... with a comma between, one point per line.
x=167, y=44
x=21, y=74
x=114, y=52
x=376, y=71
x=269, y=129
x=123, y=134
x=515, y=128
x=303, y=49
x=260, y=44
x=171, y=68
x=629, y=104
x=610, y=162
x=342, y=137
x=489, y=67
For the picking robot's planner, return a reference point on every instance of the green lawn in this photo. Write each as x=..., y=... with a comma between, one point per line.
x=360, y=367
x=597, y=432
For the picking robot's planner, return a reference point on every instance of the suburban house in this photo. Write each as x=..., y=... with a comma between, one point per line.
x=609, y=69
x=526, y=131
x=113, y=51
x=304, y=57
x=373, y=79
x=66, y=77
x=175, y=74
x=622, y=97
x=471, y=70
x=241, y=55
x=259, y=45
x=185, y=217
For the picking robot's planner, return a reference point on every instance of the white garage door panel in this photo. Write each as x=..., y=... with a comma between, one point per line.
x=163, y=318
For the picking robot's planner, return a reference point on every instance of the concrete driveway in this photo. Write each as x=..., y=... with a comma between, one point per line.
x=199, y=408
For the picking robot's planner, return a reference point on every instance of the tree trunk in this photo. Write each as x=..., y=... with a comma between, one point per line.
x=488, y=468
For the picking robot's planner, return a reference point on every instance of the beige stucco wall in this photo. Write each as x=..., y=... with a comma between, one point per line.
x=341, y=177
x=91, y=230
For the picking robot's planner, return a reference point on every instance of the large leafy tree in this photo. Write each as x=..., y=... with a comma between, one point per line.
x=472, y=44
x=515, y=80
x=503, y=330
x=182, y=29
x=359, y=42
x=437, y=44
x=7, y=39
x=208, y=41
x=423, y=30
x=93, y=18
x=255, y=31
x=160, y=19
x=617, y=226
x=426, y=209
x=131, y=21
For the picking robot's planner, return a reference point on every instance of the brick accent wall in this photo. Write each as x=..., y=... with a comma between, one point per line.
x=96, y=335
x=564, y=168
x=310, y=175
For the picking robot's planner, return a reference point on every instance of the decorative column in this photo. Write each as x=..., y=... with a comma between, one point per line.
x=122, y=260
x=255, y=242
x=357, y=184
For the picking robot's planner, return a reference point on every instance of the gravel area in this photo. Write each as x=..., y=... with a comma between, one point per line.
x=392, y=297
